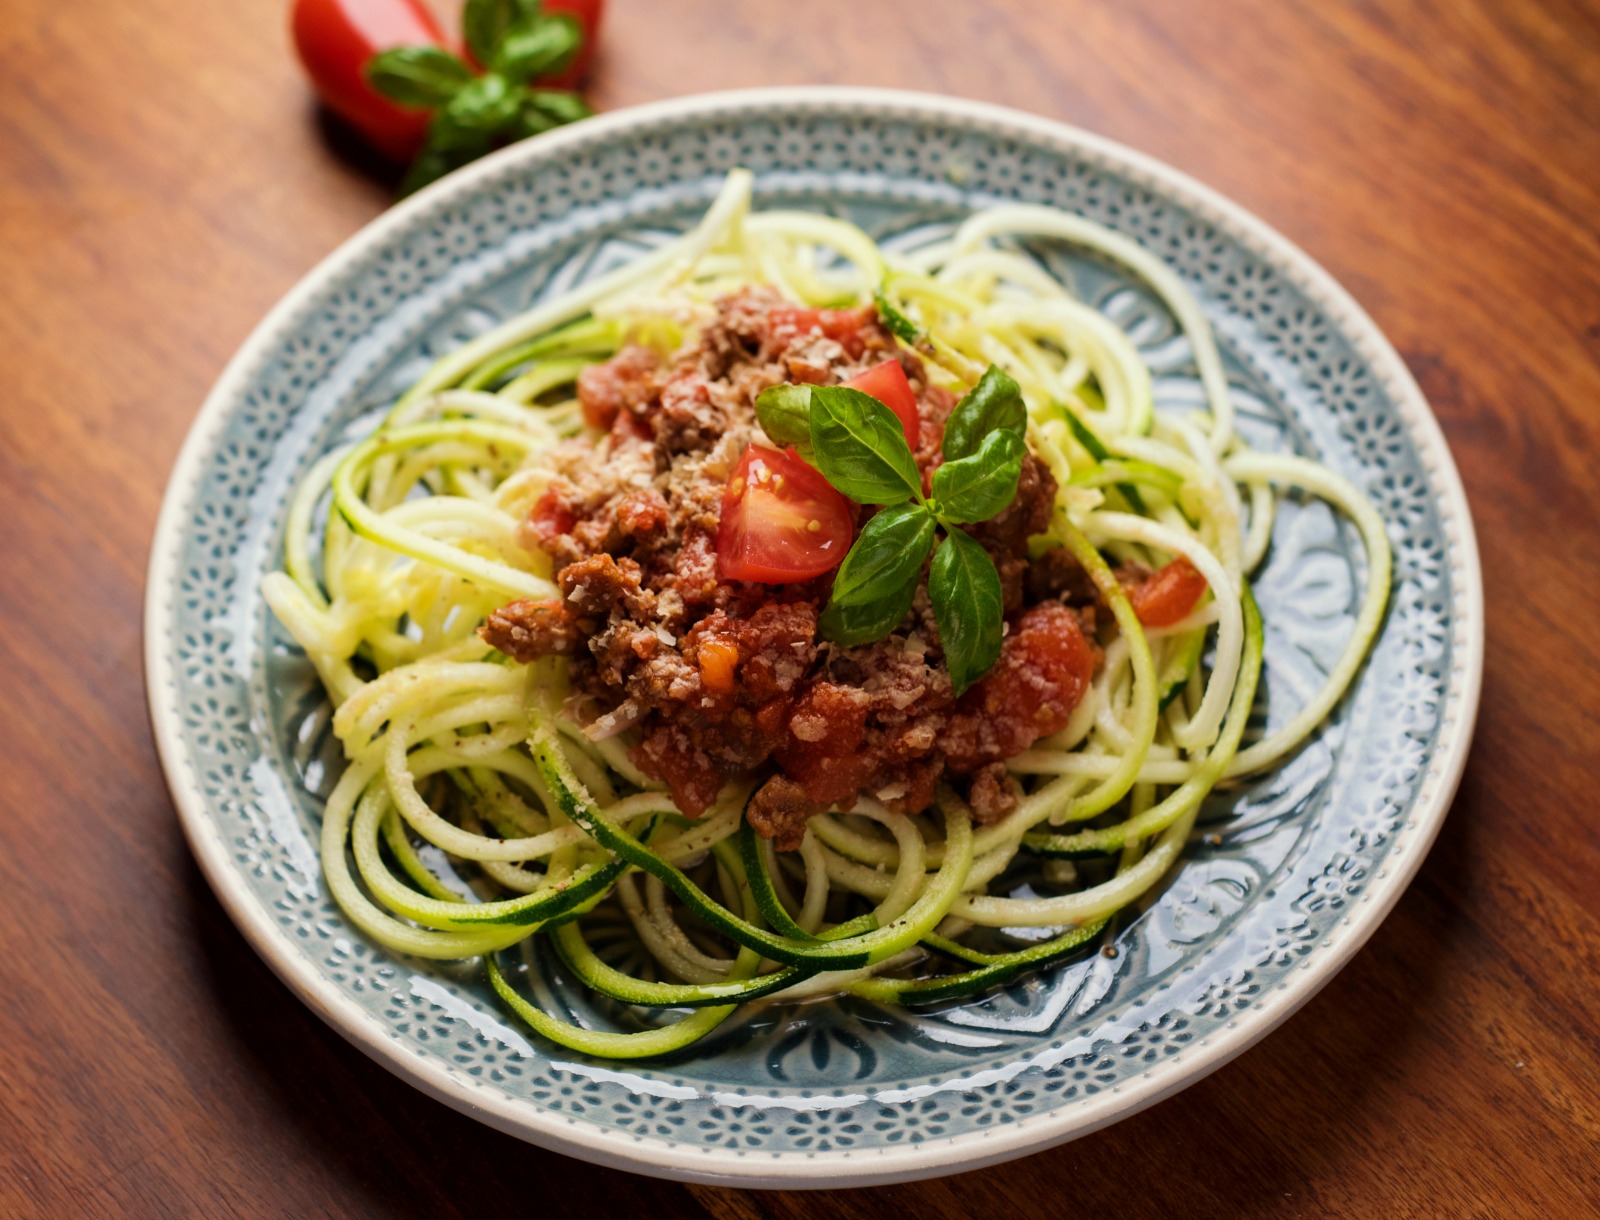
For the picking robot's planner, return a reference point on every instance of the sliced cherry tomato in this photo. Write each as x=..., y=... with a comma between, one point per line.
x=781, y=520
x=336, y=38
x=887, y=383
x=1169, y=595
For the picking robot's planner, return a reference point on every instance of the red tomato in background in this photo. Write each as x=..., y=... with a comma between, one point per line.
x=781, y=520
x=1169, y=595
x=588, y=13
x=335, y=38
x=887, y=383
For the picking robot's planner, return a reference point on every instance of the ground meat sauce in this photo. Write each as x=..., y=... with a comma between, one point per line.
x=720, y=679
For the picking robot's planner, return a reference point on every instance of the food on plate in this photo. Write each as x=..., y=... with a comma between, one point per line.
x=835, y=619
x=384, y=67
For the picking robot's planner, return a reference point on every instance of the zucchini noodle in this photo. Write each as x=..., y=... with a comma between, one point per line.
x=474, y=814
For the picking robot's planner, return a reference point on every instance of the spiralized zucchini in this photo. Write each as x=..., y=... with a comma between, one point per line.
x=472, y=816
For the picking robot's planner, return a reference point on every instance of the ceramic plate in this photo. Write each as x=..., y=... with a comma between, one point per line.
x=1288, y=875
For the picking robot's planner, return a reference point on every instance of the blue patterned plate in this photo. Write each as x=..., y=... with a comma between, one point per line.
x=1294, y=872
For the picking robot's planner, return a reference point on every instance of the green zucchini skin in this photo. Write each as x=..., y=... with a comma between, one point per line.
x=766, y=896
x=991, y=970
x=841, y=952
x=577, y=806
x=571, y=947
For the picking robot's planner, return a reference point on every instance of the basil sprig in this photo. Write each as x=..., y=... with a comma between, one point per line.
x=784, y=413
x=861, y=624
x=965, y=590
x=976, y=488
x=994, y=404
x=424, y=77
x=476, y=112
x=886, y=557
x=860, y=447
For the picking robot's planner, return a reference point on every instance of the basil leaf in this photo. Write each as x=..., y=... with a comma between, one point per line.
x=860, y=447
x=530, y=121
x=888, y=553
x=902, y=327
x=539, y=47
x=784, y=413
x=425, y=77
x=559, y=105
x=449, y=146
x=976, y=488
x=485, y=106
x=994, y=403
x=851, y=625
x=965, y=590
x=485, y=23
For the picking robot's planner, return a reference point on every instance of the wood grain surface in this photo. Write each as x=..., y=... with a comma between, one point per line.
x=164, y=178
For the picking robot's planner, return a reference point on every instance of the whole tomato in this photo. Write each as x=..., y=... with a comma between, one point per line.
x=336, y=38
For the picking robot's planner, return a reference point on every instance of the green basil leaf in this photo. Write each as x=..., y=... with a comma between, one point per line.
x=559, y=105
x=424, y=77
x=446, y=148
x=976, y=488
x=530, y=121
x=486, y=23
x=860, y=447
x=902, y=327
x=965, y=590
x=485, y=106
x=851, y=625
x=784, y=413
x=1097, y=450
x=539, y=47
x=994, y=403
x=888, y=553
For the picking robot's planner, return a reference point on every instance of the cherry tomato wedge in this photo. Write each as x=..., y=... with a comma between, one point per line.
x=887, y=383
x=781, y=520
x=1169, y=595
x=336, y=38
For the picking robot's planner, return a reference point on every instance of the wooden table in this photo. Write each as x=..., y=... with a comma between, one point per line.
x=163, y=179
